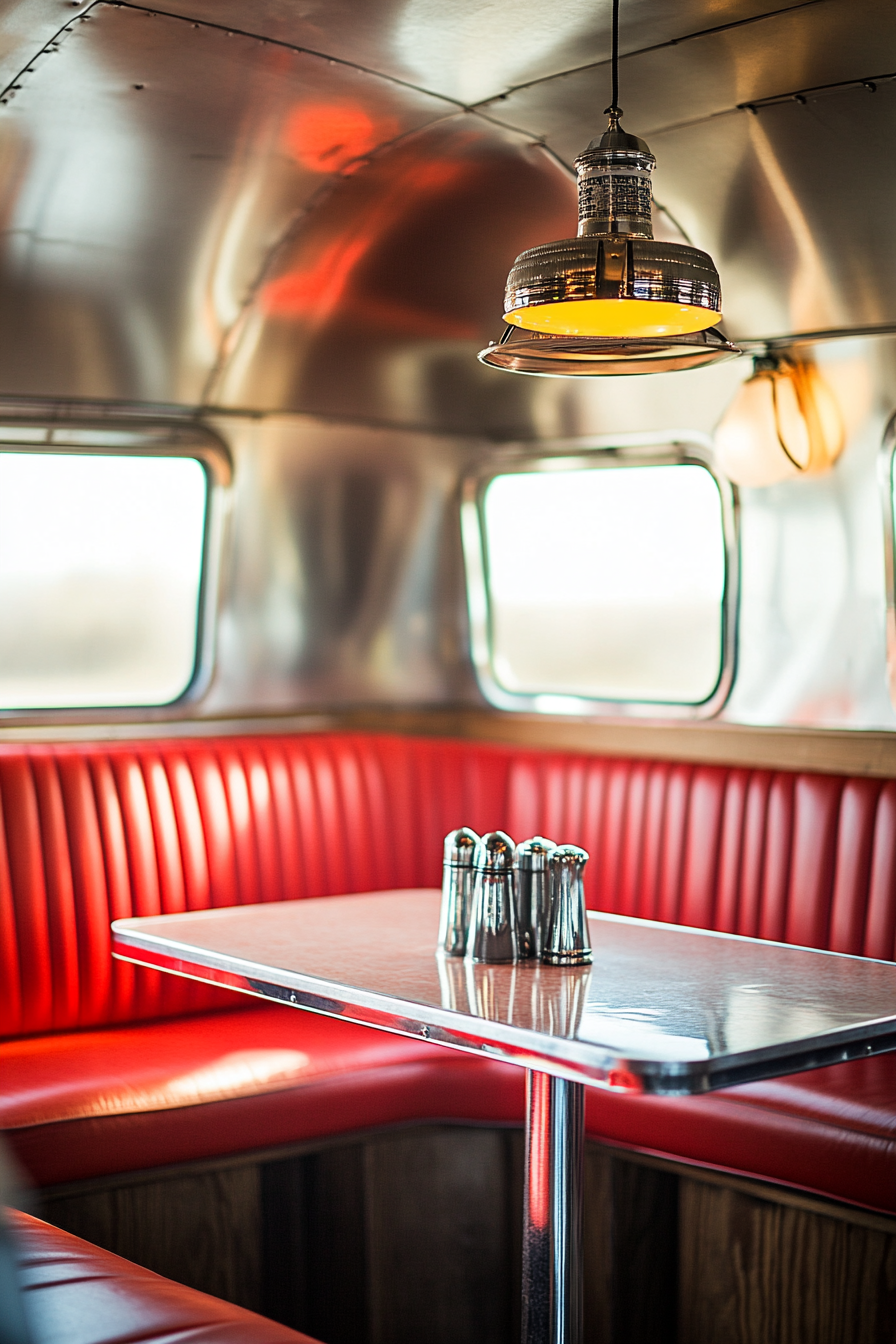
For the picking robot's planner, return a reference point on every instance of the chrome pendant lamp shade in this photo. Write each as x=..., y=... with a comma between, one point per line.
x=614, y=293
x=614, y=278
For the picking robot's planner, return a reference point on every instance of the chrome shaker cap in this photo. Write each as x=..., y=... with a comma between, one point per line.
x=460, y=847
x=495, y=852
x=532, y=855
x=568, y=857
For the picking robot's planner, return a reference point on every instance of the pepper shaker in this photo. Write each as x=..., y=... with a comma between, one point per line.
x=457, y=890
x=533, y=893
x=566, y=940
x=493, y=935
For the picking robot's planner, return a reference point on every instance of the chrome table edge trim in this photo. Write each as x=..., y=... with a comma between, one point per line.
x=561, y=1057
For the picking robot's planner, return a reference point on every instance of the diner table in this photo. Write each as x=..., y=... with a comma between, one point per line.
x=663, y=1009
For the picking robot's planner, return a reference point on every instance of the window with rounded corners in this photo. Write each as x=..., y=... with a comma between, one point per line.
x=604, y=583
x=106, y=566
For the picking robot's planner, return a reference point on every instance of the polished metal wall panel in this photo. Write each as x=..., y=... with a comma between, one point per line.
x=344, y=578
x=813, y=570
x=344, y=581
x=148, y=169
x=468, y=50
x=375, y=307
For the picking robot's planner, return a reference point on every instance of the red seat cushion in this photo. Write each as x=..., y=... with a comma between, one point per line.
x=76, y=1293
x=829, y=1131
x=86, y=1103
x=126, y=1098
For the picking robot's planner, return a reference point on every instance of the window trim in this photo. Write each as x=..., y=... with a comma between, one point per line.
x=688, y=449
x=96, y=436
x=887, y=482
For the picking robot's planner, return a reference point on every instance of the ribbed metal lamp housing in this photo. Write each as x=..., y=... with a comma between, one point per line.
x=614, y=279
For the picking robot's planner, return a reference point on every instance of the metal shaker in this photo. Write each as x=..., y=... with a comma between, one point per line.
x=533, y=894
x=457, y=890
x=492, y=936
x=566, y=941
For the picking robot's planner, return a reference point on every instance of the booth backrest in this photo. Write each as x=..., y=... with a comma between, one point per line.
x=98, y=831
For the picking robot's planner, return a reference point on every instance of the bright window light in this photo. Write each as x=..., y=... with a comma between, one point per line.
x=100, y=574
x=606, y=583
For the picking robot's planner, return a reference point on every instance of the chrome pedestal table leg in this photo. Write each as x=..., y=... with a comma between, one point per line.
x=552, y=1210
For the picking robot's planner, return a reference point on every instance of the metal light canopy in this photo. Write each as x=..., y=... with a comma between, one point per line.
x=590, y=301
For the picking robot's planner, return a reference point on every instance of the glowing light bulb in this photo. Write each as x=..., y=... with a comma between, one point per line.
x=784, y=422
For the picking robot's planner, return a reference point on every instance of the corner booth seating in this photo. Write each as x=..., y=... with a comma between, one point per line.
x=105, y=1067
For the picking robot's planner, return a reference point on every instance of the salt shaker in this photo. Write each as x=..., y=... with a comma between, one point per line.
x=457, y=890
x=533, y=894
x=566, y=941
x=492, y=936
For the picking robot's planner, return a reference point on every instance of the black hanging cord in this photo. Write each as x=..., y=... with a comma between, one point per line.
x=614, y=110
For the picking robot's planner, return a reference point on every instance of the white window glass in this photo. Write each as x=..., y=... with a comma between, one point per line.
x=607, y=582
x=100, y=573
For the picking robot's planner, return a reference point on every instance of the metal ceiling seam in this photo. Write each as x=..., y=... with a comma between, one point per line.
x=644, y=51
x=290, y=46
x=867, y=82
x=801, y=97
x=47, y=49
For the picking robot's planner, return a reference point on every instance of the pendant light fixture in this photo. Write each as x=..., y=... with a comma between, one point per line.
x=783, y=423
x=612, y=296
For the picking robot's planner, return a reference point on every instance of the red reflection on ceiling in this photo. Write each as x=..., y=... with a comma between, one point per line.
x=324, y=137
x=301, y=292
x=315, y=292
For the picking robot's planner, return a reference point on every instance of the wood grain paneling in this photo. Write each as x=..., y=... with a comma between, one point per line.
x=412, y=1236
x=631, y=1250
x=440, y=1213
x=202, y=1229
x=758, y=1272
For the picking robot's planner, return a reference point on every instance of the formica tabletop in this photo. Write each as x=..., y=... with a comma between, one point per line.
x=663, y=1009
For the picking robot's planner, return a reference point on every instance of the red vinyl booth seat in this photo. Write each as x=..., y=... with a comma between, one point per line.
x=78, y=1293
x=105, y=1066
x=158, y=1093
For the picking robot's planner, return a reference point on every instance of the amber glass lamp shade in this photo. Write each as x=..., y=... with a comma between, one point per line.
x=783, y=423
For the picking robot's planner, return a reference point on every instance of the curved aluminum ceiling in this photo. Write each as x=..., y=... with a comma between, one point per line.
x=318, y=214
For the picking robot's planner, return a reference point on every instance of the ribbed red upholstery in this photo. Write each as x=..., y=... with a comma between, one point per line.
x=91, y=832
x=802, y=858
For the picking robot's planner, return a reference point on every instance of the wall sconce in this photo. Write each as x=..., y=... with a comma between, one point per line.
x=784, y=422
